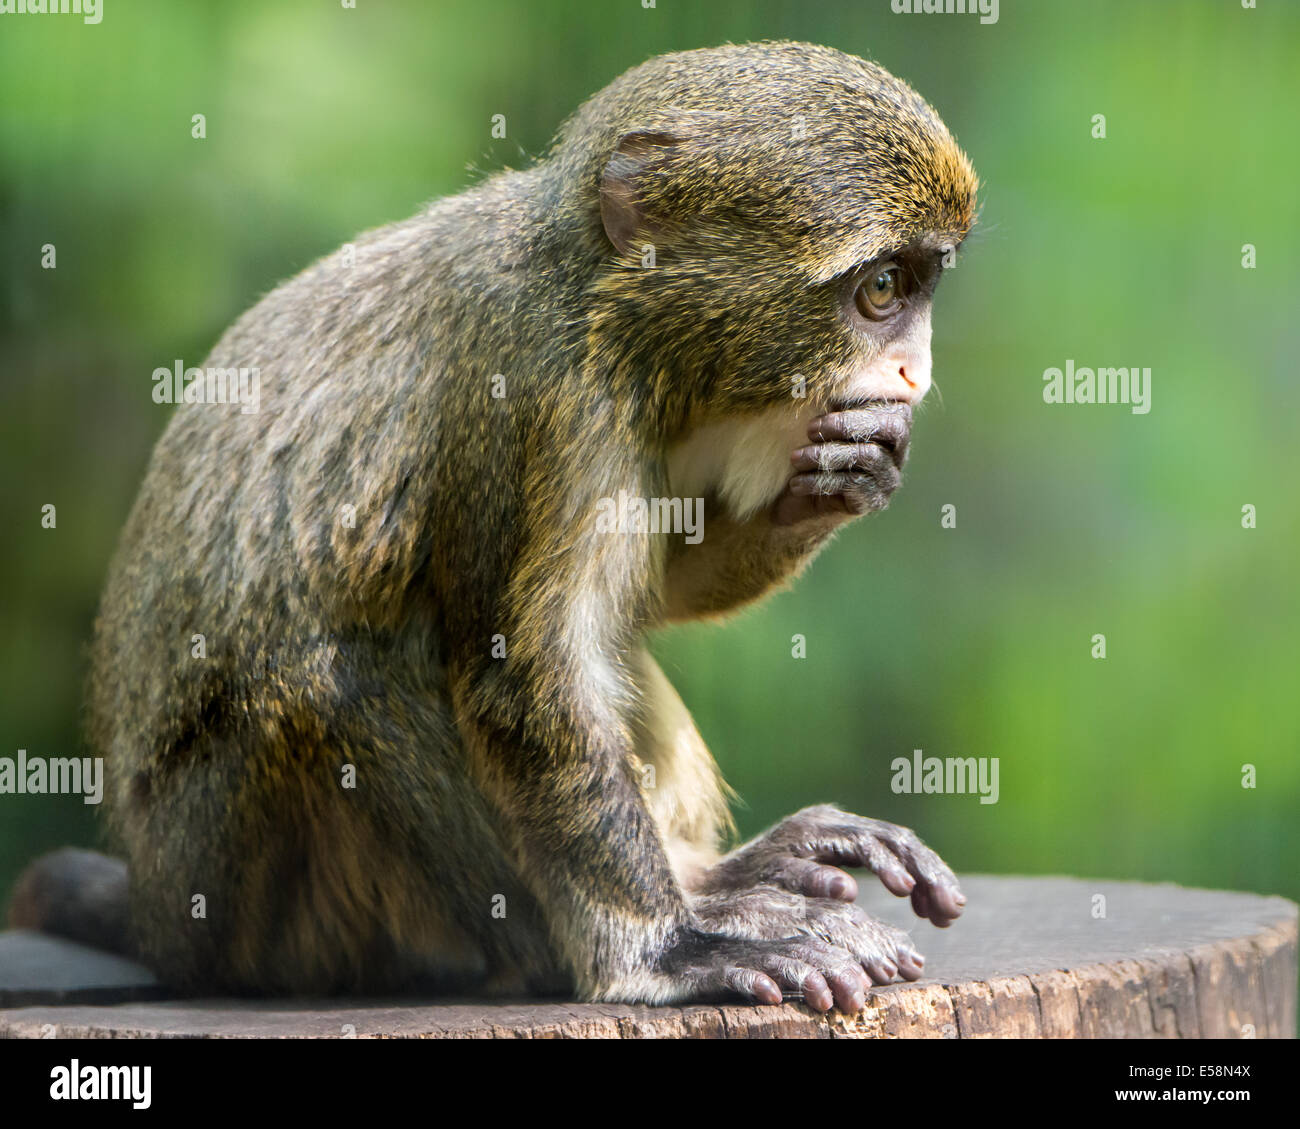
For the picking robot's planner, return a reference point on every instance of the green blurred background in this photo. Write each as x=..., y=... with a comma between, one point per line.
x=974, y=641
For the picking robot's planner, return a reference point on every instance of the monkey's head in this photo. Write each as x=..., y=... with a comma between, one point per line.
x=765, y=213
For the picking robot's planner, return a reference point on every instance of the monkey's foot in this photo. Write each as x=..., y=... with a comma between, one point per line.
x=767, y=913
x=803, y=854
x=706, y=965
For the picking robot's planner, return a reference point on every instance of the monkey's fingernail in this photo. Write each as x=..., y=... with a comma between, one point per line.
x=960, y=899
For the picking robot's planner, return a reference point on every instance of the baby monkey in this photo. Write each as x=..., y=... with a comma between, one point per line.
x=369, y=676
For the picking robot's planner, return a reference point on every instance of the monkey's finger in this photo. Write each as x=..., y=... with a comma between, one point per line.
x=850, y=989
x=925, y=903
x=937, y=886
x=840, y=456
x=937, y=897
x=802, y=979
x=850, y=849
x=791, y=509
x=752, y=985
x=921, y=902
x=888, y=867
x=847, y=980
x=889, y=424
x=815, y=879
x=911, y=964
x=887, y=953
x=881, y=969
x=883, y=950
x=862, y=490
x=937, y=894
x=834, y=839
x=904, y=866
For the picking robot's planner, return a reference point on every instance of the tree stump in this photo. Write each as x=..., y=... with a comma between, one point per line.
x=1050, y=957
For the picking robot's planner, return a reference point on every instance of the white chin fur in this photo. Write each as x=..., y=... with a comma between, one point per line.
x=745, y=461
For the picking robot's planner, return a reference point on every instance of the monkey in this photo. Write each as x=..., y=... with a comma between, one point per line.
x=371, y=685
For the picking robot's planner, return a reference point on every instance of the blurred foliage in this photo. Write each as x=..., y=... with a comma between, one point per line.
x=323, y=121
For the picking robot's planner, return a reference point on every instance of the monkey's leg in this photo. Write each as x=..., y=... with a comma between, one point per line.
x=680, y=781
x=804, y=851
x=77, y=894
x=337, y=845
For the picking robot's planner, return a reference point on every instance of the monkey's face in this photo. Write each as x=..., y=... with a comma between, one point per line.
x=780, y=216
x=773, y=221
x=857, y=342
x=740, y=328
x=885, y=306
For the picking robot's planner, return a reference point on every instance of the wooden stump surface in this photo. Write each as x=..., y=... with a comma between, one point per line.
x=1030, y=957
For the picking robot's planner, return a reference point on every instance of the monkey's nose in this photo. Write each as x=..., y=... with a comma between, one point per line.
x=905, y=381
x=901, y=374
x=910, y=375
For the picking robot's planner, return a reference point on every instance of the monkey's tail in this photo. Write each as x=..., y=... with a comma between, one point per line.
x=81, y=895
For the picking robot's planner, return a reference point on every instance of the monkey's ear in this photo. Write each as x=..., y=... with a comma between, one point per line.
x=622, y=198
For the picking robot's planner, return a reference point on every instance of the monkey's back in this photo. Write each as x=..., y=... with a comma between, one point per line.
x=311, y=512
x=277, y=578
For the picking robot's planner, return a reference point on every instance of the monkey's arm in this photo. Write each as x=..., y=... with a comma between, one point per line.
x=551, y=735
x=550, y=739
x=581, y=839
x=851, y=466
x=737, y=562
x=802, y=854
x=559, y=770
x=785, y=881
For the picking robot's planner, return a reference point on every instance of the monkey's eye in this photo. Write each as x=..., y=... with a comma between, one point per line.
x=880, y=293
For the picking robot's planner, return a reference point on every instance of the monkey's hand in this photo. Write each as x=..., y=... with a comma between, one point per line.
x=852, y=465
x=803, y=854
